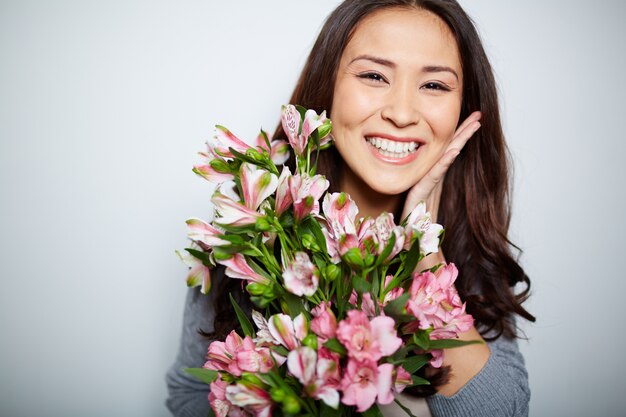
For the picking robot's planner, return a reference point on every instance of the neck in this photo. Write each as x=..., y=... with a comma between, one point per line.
x=370, y=202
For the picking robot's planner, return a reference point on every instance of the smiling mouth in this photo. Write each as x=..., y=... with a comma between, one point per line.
x=393, y=148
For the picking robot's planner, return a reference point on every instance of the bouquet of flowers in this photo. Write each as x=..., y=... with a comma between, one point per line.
x=342, y=321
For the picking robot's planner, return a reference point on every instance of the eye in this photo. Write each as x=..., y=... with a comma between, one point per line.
x=373, y=77
x=436, y=86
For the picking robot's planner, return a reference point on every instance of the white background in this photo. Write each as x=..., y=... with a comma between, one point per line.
x=104, y=104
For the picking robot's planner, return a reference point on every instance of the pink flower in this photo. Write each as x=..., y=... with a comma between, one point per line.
x=284, y=199
x=209, y=173
x=286, y=331
x=392, y=294
x=368, y=340
x=324, y=323
x=435, y=303
x=364, y=383
x=251, y=398
x=385, y=228
x=367, y=303
x=251, y=358
x=225, y=139
x=256, y=185
x=199, y=274
x=232, y=212
x=419, y=225
x=316, y=374
x=237, y=267
x=301, y=277
x=291, y=125
x=221, y=356
x=279, y=148
x=298, y=139
x=220, y=405
x=340, y=211
x=306, y=192
x=204, y=233
x=401, y=379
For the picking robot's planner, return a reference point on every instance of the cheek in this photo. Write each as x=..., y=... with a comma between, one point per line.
x=443, y=120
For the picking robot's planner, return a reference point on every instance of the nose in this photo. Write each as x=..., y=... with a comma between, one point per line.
x=401, y=106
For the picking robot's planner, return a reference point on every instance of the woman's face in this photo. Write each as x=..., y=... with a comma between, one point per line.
x=397, y=99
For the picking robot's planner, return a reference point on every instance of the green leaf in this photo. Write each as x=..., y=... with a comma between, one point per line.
x=202, y=256
x=294, y=303
x=373, y=411
x=361, y=285
x=419, y=381
x=242, y=249
x=311, y=224
x=452, y=343
x=411, y=259
x=205, y=375
x=406, y=410
x=395, y=308
x=327, y=411
x=422, y=340
x=414, y=363
x=388, y=248
x=244, y=321
x=336, y=346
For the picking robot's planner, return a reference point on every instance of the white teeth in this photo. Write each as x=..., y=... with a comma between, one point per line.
x=393, y=149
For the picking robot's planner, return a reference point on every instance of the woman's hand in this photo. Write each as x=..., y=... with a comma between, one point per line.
x=430, y=186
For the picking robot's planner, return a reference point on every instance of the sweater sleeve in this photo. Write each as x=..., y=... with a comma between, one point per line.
x=188, y=396
x=499, y=389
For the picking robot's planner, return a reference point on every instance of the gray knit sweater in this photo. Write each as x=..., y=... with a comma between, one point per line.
x=500, y=389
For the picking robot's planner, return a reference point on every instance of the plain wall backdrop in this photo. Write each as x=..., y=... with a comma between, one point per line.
x=103, y=106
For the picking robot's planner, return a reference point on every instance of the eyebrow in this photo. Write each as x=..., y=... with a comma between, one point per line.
x=390, y=64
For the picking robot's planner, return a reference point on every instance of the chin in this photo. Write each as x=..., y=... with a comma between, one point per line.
x=389, y=187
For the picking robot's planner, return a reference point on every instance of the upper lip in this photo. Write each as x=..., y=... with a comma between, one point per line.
x=394, y=138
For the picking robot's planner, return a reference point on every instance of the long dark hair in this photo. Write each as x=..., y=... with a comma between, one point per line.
x=475, y=201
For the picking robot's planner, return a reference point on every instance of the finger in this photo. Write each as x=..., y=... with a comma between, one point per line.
x=426, y=185
x=475, y=116
x=463, y=135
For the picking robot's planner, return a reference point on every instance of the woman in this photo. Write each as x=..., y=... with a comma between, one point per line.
x=403, y=81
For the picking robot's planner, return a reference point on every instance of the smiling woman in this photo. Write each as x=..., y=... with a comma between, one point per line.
x=406, y=83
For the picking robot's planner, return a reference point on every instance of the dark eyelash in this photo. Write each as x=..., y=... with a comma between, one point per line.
x=374, y=76
x=436, y=86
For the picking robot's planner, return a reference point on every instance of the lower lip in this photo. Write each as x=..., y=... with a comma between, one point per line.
x=396, y=161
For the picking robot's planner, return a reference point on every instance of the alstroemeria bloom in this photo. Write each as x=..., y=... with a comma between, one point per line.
x=286, y=331
x=237, y=267
x=368, y=340
x=232, y=212
x=315, y=374
x=222, y=356
x=324, y=322
x=385, y=227
x=251, y=358
x=301, y=276
x=306, y=192
x=208, y=172
x=204, y=233
x=420, y=225
x=284, y=199
x=220, y=405
x=364, y=383
x=401, y=379
x=251, y=398
x=199, y=274
x=225, y=139
x=256, y=184
x=279, y=152
x=340, y=230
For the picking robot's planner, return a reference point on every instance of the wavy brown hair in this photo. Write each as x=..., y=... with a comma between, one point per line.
x=475, y=201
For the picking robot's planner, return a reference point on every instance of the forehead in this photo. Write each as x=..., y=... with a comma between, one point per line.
x=405, y=36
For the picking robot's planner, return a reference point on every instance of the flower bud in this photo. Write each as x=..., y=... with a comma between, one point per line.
x=333, y=272
x=353, y=258
x=277, y=394
x=311, y=341
x=254, y=288
x=220, y=166
x=252, y=379
x=254, y=154
x=309, y=242
x=262, y=225
x=291, y=405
